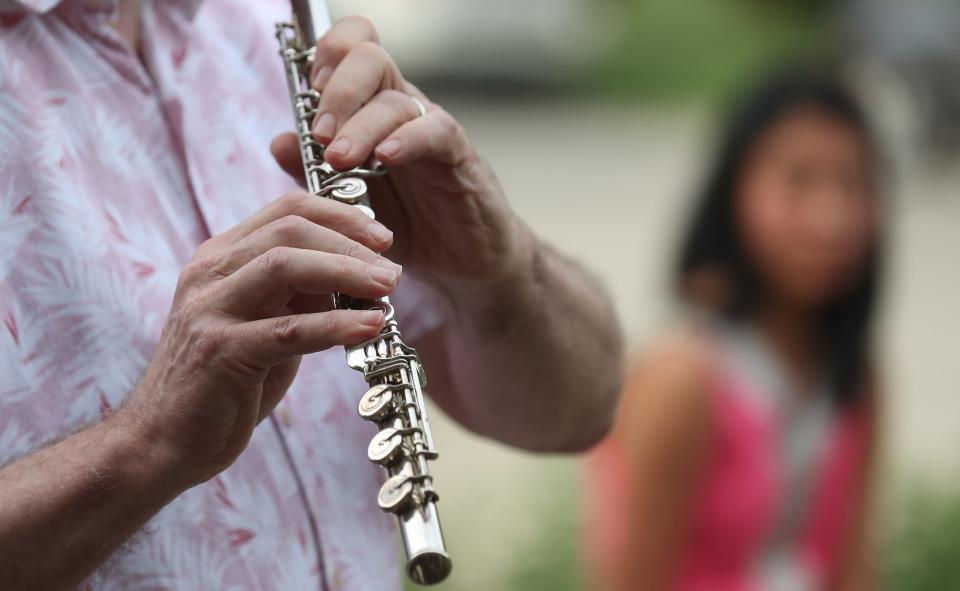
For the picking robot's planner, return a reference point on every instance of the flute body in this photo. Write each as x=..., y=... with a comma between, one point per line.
x=395, y=378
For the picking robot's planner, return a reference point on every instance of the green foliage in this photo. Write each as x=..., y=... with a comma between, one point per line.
x=551, y=562
x=923, y=554
x=701, y=49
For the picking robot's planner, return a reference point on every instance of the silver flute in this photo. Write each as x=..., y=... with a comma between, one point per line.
x=394, y=400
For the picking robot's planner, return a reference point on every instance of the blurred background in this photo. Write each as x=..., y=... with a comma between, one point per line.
x=598, y=116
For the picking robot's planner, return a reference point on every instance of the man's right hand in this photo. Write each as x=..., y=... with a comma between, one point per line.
x=248, y=305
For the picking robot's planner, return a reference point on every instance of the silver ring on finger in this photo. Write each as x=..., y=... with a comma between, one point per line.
x=421, y=108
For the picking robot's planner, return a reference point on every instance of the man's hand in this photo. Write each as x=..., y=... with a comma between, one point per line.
x=247, y=306
x=530, y=329
x=452, y=221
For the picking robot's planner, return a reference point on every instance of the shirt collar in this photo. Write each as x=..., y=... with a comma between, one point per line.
x=186, y=7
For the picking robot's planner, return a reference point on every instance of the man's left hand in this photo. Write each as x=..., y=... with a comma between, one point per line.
x=451, y=220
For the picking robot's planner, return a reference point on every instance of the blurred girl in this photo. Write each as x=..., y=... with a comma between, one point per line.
x=742, y=450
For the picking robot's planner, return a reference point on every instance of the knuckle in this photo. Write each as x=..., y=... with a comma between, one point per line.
x=334, y=46
x=187, y=277
x=393, y=96
x=291, y=229
x=355, y=250
x=206, y=247
x=194, y=272
x=342, y=266
x=293, y=202
x=399, y=103
x=365, y=24
x=208, y=342
x=371, y=49
x=276, y=260
x=210, y=267
x=446, y=122
x=287, y=330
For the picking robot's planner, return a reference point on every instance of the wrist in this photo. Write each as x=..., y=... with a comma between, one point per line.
x=516, y=268
x=145, y=453
x=495, y=306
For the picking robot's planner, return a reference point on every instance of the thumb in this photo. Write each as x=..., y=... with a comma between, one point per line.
x=286, y=151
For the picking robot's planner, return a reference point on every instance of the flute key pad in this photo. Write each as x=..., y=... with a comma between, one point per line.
x=385, y=447
x=396, y=494
x=375, y=404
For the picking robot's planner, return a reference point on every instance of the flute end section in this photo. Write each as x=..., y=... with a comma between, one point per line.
x=427, y=560
x=429, y=567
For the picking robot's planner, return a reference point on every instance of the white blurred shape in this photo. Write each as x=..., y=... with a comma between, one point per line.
x=510, y=39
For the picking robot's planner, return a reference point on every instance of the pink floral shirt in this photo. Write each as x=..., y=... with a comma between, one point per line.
x=112, y=171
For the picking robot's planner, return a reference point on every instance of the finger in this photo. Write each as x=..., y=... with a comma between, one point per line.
x=297, y=232
x=346, y=34
x=271, y=280
x=276, y=384
x=364, y=72
x=412, y=89
x=436, y=135
x=339, y=217
x=376, y=120
x=265, y=343
x=286, y=151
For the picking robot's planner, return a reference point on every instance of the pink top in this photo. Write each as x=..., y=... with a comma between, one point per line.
x=763, y=516
x=111, y=174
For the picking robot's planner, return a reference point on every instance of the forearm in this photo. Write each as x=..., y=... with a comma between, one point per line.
x=66, y=508
x=536, y=359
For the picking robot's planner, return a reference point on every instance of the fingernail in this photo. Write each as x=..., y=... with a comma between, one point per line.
x=370, y=318
x=323, y=75
x=389, y=148
x=340, y=146
x=325, y=126
x=388, y=264
x=385, y=277
x=379, y=233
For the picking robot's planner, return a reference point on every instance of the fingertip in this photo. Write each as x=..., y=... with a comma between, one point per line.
x=380, y=235
x=286, y=151
x=325, y=127
x=337, y=161
x=281, y=144
x=389, y=151
x=371, y=319
x=367, y=324
x=339, y=148
x=384, y=280
x=342, y=154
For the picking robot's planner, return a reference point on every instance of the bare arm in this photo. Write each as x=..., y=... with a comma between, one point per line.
x=663, y=427
x=73, y=503
x=858, y=572
x=534, y=361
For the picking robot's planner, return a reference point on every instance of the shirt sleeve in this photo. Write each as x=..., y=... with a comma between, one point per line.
x=420, y=308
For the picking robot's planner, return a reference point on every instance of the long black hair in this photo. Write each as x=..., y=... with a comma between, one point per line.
x=713, y=246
